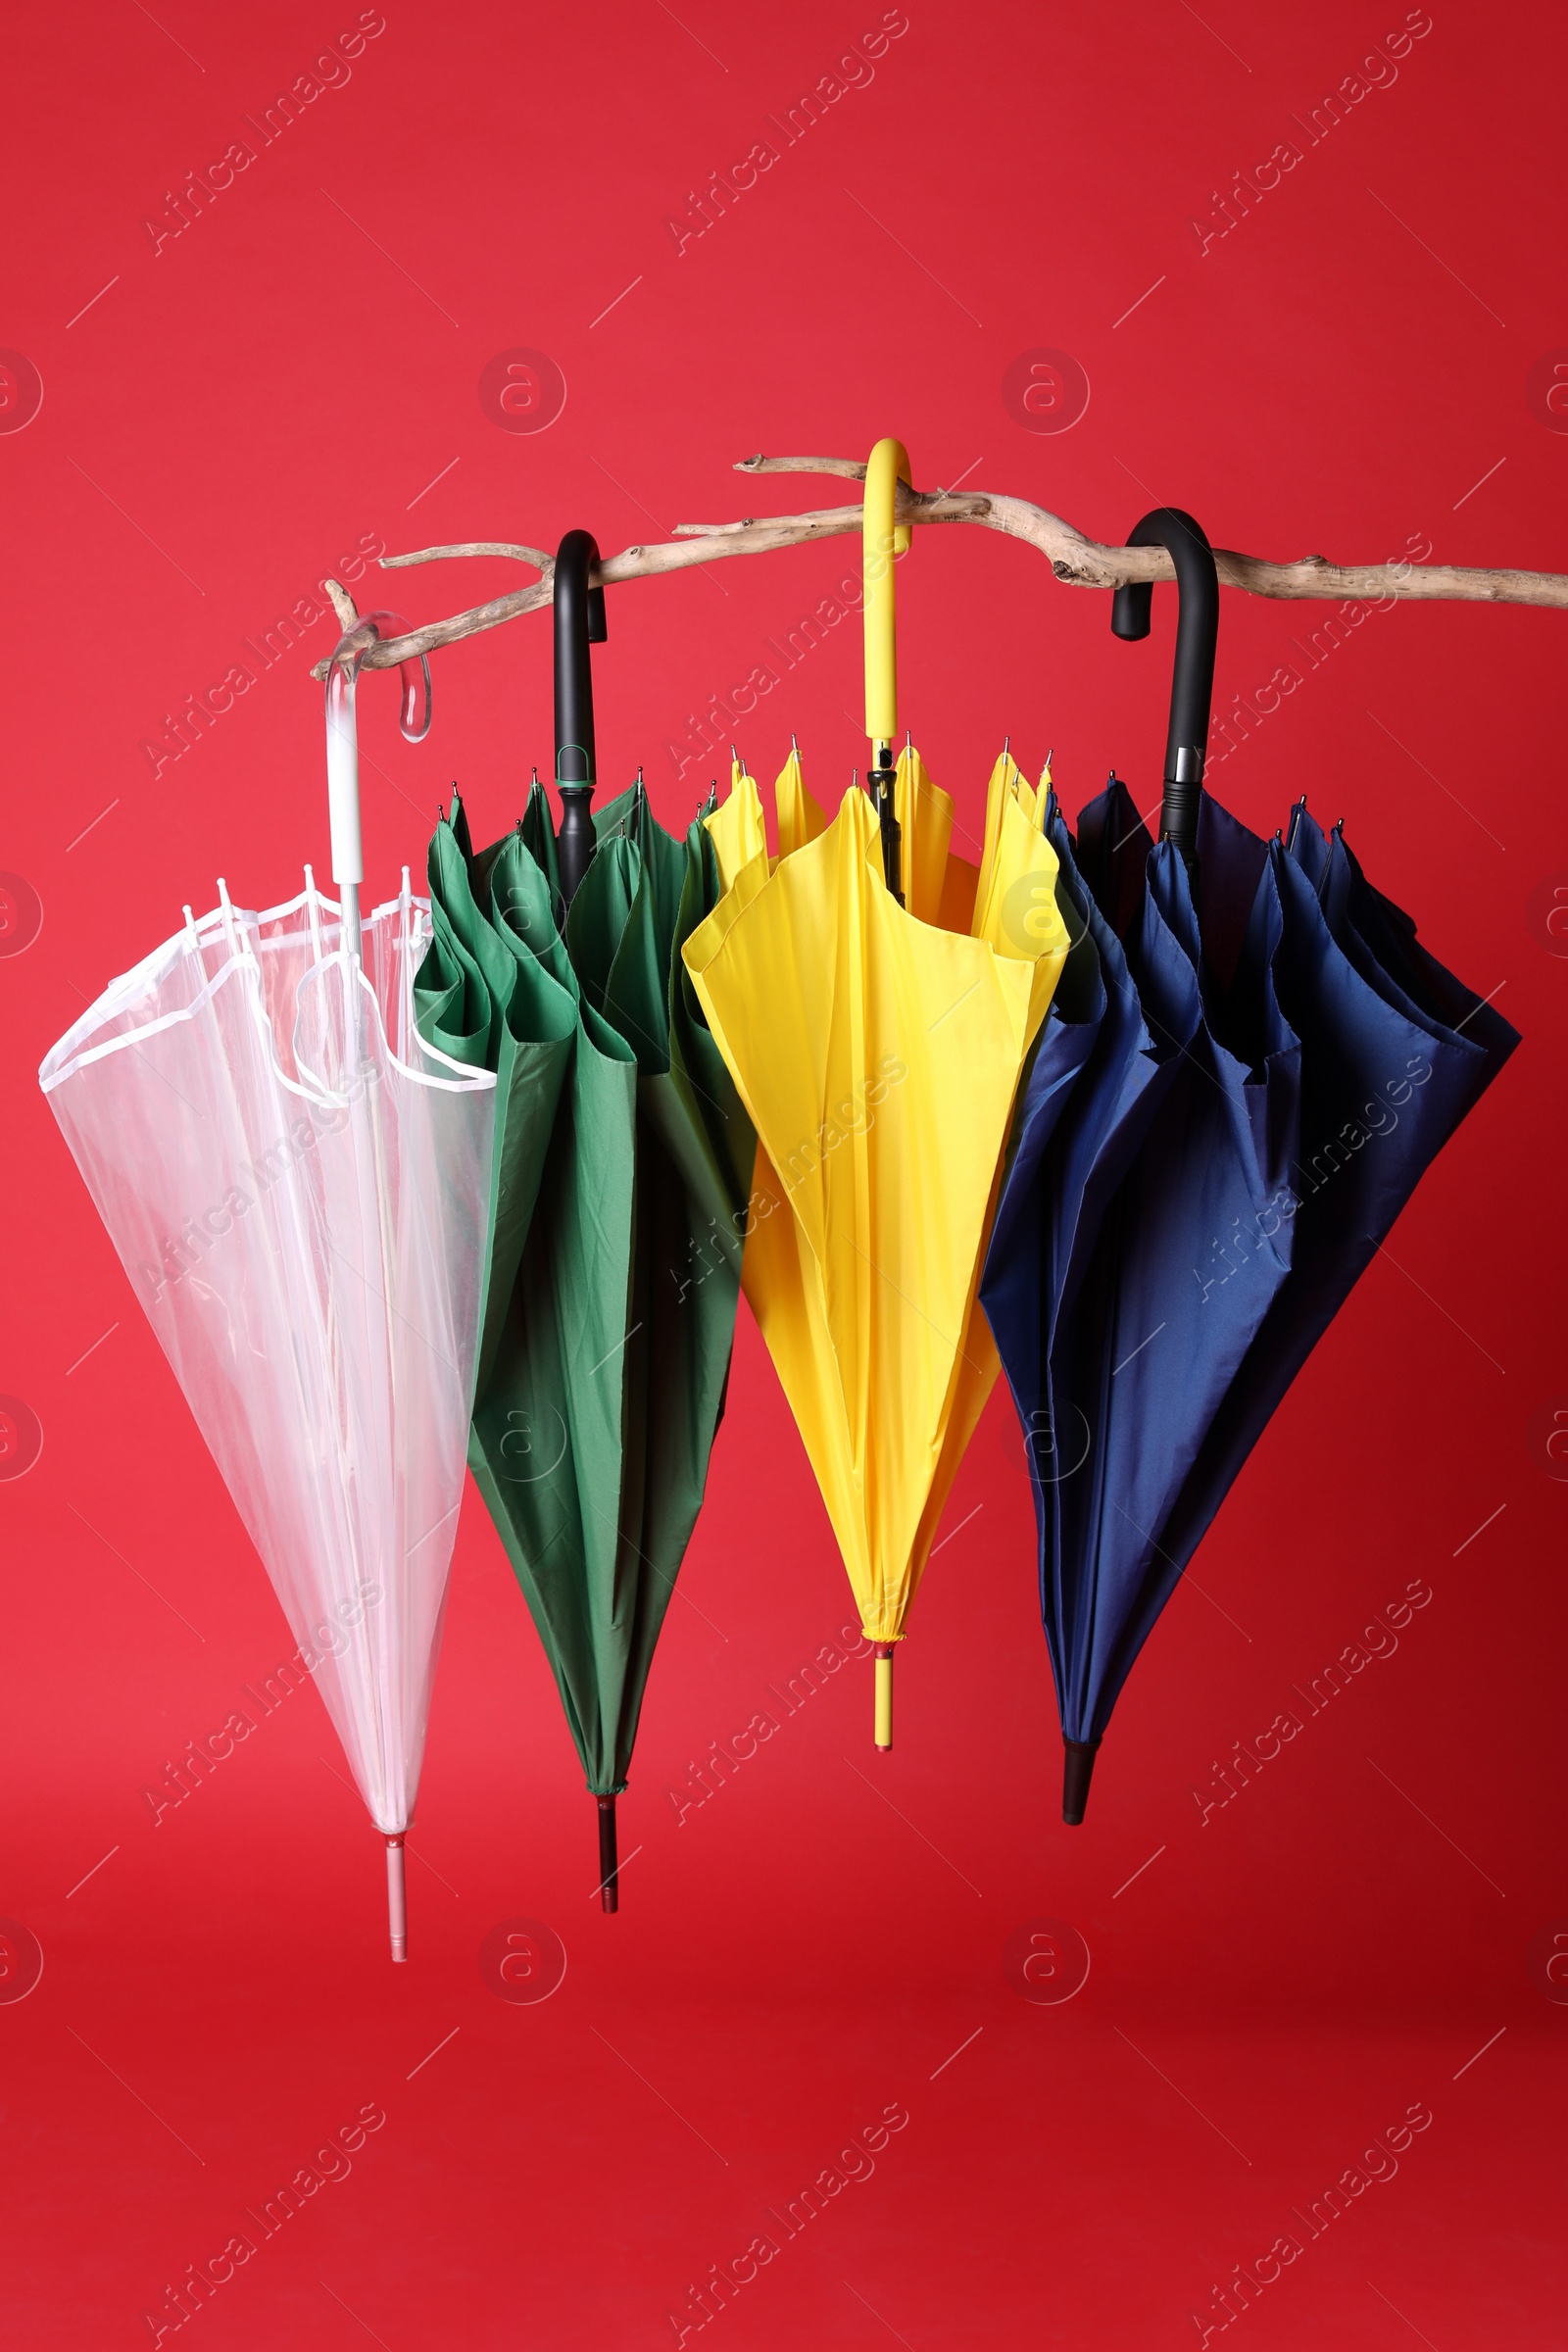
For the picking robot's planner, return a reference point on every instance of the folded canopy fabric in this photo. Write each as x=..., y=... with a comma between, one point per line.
x=614, y=1263
x=878, y=1055
x=297, y=1195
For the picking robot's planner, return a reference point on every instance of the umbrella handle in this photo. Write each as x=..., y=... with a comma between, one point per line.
x=883, y=1731
x=882, y=540
x=397, y=1898
x=1192, y=686
x=343, y=750
x=579, y=623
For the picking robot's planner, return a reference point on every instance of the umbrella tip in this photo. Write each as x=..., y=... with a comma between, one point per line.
x=1077, y=1772
x=608, y=1861
x=397, y=1905
x=882, y=1731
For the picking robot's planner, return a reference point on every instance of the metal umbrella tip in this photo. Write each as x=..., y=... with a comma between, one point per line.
x=397, y=1901
x=1078, y=1768
x=883, y=1727
x=609, y=1859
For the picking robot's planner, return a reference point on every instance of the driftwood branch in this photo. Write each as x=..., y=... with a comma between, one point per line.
x=1078, y=561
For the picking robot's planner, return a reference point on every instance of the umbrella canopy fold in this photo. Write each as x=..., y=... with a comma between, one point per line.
x=1248, y=1068
x=296, y=1190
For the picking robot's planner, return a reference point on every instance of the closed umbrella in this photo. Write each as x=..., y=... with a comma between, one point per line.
x=1119, y=1360
x=1163, y=1261
x=878, y=1055
x=614, y=1255
x=296, y=1192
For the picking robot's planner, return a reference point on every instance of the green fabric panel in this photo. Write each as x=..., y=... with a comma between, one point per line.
x=607, y=1344
x=531, y=1031
x=539, y=838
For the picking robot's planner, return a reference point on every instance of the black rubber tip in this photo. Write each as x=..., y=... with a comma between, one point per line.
x=609, y=1865
x=1077, y=1773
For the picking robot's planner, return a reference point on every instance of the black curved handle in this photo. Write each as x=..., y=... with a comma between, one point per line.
x=1192, y=685
x=579, y=623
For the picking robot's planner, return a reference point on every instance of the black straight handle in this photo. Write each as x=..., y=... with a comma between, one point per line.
x=579, y=623
x=1191, y=688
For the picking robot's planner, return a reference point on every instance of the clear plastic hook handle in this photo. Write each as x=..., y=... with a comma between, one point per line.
x=343, y=750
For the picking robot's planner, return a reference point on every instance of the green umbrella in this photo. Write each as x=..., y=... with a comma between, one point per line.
x=616, y=1235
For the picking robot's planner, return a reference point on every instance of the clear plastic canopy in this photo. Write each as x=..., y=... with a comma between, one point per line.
x=298, y=1192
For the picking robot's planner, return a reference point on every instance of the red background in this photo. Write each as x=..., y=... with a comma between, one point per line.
x=1280, y=1983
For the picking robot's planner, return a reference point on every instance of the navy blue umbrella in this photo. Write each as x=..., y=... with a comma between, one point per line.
x=1192, y=1191
x=1395, y=1052
x=1180, y=1129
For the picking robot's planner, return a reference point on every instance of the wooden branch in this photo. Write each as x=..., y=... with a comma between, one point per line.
x=1078, y=561
x=343, y=606
x=536, y=556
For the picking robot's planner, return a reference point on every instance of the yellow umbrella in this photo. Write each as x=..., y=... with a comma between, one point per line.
x=877, y=1036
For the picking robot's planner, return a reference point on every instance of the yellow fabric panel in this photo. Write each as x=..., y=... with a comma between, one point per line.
x=1005, y=777
x=959, y=884
x=736, y=827
x=1019, y=915
x=801, y=818
x=974, y=1375
x=925, y=817
x=878, y=1057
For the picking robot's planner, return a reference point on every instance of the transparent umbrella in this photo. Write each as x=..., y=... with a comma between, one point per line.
x=297, y=1191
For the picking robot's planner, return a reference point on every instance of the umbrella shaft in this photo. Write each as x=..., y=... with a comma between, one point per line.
x=881, y=780
x=1183, y=799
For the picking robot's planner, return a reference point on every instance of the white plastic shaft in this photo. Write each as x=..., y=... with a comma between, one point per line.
x=343, y=798
x=397, y=1903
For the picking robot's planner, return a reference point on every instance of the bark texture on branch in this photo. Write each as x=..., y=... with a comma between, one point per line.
x=1078, y=561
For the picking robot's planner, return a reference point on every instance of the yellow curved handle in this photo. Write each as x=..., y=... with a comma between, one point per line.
x=888, y=466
